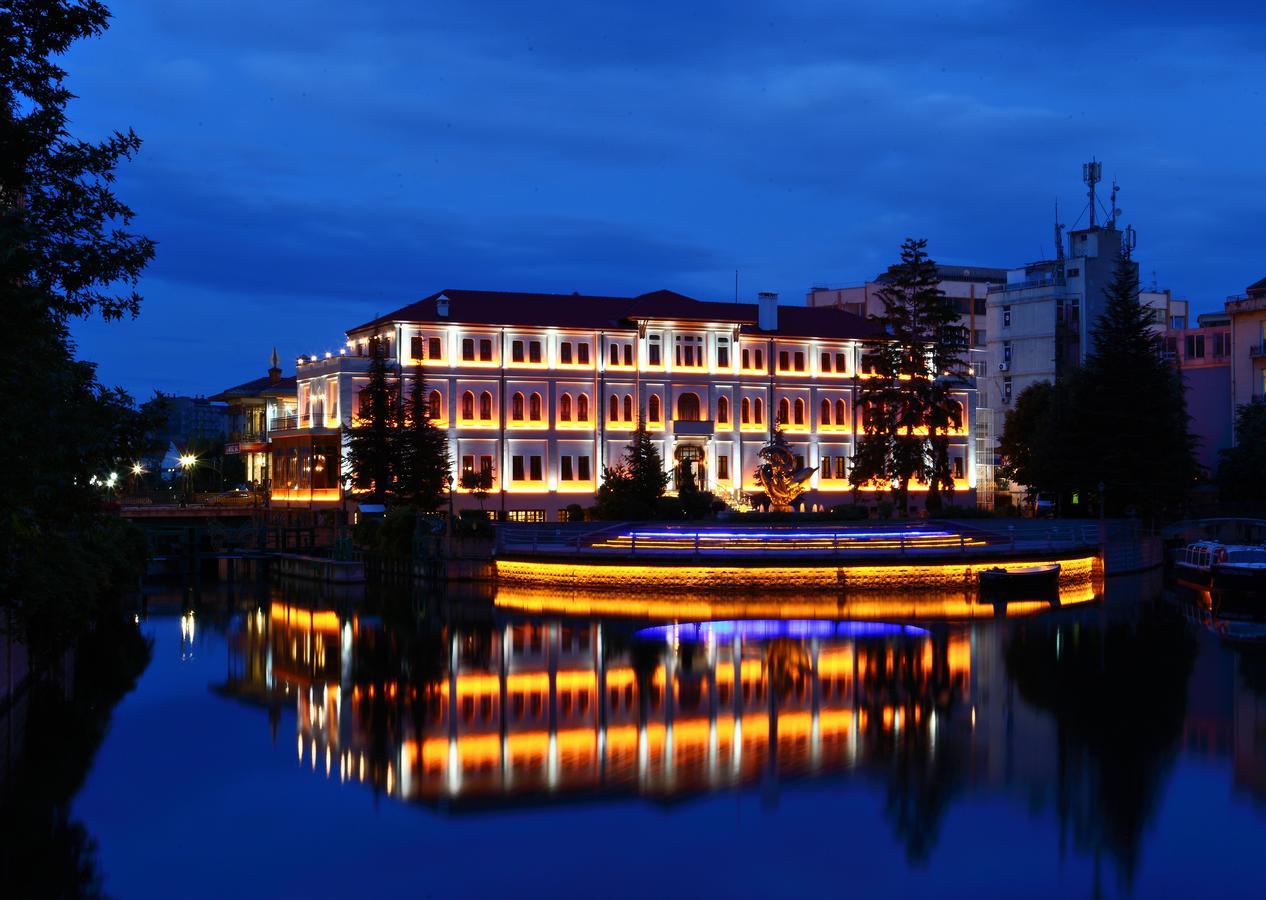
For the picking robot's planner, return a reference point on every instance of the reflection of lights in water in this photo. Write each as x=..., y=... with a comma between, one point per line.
x=454, y=770
x=187, y=629
x=973, y=717
x=758, y=629
x=329, y=759
x=551, y=763
x=736, y=754
x=300, y=738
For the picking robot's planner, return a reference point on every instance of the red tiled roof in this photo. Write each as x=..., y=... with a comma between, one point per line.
x=585, y=311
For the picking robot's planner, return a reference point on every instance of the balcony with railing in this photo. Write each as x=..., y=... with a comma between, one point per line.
x=1258, y=350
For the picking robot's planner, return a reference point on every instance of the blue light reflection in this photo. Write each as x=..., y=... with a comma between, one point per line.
x=766, y=629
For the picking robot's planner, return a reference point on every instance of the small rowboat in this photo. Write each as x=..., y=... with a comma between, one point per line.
x=999, y=585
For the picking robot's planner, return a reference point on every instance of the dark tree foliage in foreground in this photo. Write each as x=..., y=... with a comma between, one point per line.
x=1119, y=421
x=65, y=251
x=1242, y=468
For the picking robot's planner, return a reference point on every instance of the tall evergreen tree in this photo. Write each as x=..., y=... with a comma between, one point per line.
x=66, y=251
x=422, y=453
x=631, y=488
x=646, y=466
x=1131, y=408
x=907, y=409
x=371, y=444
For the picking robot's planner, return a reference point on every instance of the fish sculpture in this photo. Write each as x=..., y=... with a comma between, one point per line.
x=782, y=480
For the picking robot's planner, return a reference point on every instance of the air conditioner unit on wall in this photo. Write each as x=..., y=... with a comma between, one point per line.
x=1004, y=367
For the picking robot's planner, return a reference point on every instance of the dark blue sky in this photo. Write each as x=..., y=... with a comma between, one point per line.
x=308, y=164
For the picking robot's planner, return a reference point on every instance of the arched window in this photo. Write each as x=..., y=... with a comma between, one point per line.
x=759, y=412
x=628, y=407
x=485, y=406
x=435, y=406
x=653, y=406
x=688, y=408
x=534, y=408
x=582, y=408
x=564, y=408
x=745, y=410
x=784, y=411
x=841, y=412
x=723, y=409
x=614, y=415
x=468, y=405
x=824, y=416
x=799, y=413
x=516, y=408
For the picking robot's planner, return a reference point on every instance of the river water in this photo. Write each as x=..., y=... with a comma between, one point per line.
x=285, y=744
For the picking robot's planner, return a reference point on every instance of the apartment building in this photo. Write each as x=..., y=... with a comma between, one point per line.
x=1248, y=344
x=544, y=390
x=1203, y=355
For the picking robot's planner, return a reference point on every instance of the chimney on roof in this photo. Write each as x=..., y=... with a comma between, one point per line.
x=274, y=371
x=441, y=306
x=767, y=310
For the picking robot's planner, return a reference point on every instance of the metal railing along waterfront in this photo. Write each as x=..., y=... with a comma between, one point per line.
x=667, y=541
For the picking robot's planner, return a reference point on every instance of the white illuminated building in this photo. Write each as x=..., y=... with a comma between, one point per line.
x=546, y=389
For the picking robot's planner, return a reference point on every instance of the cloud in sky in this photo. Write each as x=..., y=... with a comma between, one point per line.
x=309, y=164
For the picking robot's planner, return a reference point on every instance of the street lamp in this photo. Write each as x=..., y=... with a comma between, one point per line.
x=187, y=462
x=450, y=504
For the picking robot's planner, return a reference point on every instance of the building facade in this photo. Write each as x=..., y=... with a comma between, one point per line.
x=1203, y=355
x=252, y=408
x=1248, y=344
x=543, y=391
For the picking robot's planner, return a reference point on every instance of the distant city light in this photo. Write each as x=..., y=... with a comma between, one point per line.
x=138, y=469
x=187, y=460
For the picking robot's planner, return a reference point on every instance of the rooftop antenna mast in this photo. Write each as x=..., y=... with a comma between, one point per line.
x=1112, y=223
x=1092, y=174
x=1059, y=234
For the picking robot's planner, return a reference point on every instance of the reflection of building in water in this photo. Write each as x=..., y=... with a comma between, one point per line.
x=532, y=708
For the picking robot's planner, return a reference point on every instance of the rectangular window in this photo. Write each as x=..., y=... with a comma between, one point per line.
x=526, y=516
x=826, y=362
x=415, y=346
x=468, y=464
x=980, y=306
x=746, y=358
x=723, y=467
x=760, y=359
x=534, y=351
x=433, y=351
x=485, y=350
x=784, y=361
x=826, y=467
x=723, y=354
x=841, y=468
x=978, y=337
x=468, y=349
x=628, y=355
x=799, y=461
x=799, y=360
x=958, y=467
x=582, y=468
x=1006, y=351
x=564, y=353
x=564, y=472
x=1006, y=317
x=516, y=468
x=582, y=354
x=652, y=353
x=534, y=467
x=516, y=351
x=841, y=363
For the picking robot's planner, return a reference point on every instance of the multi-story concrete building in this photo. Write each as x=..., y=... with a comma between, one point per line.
x=968, y=286
x=1248, y=344
x=544, y=390
x=1203, y=355
x=252, y=408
